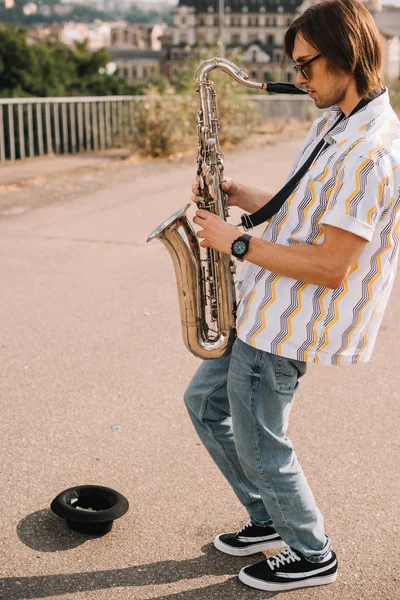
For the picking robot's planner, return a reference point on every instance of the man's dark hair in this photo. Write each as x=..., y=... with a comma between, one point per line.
x=345, y=33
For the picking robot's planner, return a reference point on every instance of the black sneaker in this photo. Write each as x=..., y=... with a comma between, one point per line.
x=289, y=570
x=249, y=540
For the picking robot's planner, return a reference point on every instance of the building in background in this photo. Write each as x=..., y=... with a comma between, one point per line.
x=97, y=34
x=137, y=66
x=388, y=23
x=144, y=51
x=136, y=50
x=138, y=36
x=257, y=27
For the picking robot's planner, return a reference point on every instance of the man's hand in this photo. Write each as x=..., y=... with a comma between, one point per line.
x=217, y=233
x=231, y=188
x=245, y=197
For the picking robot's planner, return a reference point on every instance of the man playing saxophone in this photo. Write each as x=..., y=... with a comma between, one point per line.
x=313, y=288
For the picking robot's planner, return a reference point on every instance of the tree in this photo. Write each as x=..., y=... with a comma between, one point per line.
x=51, y=68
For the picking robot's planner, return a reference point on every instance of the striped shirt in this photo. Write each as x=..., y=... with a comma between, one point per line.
x=354, y=184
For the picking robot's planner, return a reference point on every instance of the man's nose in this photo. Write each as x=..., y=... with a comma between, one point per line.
x=300, y=79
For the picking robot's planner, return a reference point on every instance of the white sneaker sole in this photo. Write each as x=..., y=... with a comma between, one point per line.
x=253, y=549
x=280, y=587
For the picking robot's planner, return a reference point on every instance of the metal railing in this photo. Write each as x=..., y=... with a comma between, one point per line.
x=281, y=106
x=36, y=126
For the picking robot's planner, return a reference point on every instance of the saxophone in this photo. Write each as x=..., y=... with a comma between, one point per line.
x=206, y=288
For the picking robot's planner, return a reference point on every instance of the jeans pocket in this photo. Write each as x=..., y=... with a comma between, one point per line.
x=287, y=374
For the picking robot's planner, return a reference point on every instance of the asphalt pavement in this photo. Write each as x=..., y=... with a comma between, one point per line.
x=93, y=369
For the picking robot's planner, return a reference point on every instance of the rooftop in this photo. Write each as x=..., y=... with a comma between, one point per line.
x=253, y=6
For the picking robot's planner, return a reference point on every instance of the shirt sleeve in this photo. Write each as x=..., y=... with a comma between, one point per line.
x=360, y=194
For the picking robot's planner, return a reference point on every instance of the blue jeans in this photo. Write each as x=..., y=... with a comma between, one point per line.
x=239, y=405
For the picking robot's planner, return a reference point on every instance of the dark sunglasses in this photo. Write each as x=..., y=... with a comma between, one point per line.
x=304, y=69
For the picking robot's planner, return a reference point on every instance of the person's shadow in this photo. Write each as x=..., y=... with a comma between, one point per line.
x=44, y=532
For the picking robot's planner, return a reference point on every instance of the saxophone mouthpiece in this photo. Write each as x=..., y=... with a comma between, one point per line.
x=283, y=88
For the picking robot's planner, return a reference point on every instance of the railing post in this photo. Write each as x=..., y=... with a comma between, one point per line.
x=87, y=127
x=94, y=127
x=80, y=127
x=39, y=124
x=65, y=127
x=21, y=131
x=30, y=131
x=11, y=130
x=108, y=125
x=48, y=129
x=2, y=144
x=57, y=128
x=101, y=125
x=72, y=126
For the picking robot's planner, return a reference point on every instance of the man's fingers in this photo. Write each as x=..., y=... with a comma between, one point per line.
x=225, y=185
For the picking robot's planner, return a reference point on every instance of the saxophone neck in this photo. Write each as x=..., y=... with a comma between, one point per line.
x=205, y=68
x=223, y=64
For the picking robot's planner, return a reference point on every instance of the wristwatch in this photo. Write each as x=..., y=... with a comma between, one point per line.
x=240, y=246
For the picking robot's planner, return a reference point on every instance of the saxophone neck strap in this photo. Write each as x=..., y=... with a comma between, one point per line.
x=277, y=201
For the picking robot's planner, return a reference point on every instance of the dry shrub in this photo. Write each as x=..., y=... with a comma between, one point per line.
x=166, y=123
x=161, y=125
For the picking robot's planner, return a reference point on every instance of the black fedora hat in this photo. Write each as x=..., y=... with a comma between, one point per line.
x=90, y=509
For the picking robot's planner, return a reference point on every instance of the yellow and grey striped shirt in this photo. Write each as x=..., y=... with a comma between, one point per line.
x=354, y=185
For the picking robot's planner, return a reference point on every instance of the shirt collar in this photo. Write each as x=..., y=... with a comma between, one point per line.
x=356, y=125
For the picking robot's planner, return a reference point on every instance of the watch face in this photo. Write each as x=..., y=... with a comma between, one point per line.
x=240, y=247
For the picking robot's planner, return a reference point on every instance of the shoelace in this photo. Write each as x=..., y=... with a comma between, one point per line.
x=287, y=556
x=247, y=524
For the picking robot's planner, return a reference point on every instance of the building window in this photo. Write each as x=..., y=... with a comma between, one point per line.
x=289, y=77
x=235, y=38
x=254, y=74
x=270, y=39
x=134, y=72
x=288, y=21
x=267, y=76
x=254, y=59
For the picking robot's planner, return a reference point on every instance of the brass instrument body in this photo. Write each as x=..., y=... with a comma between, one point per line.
x=206, y=288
